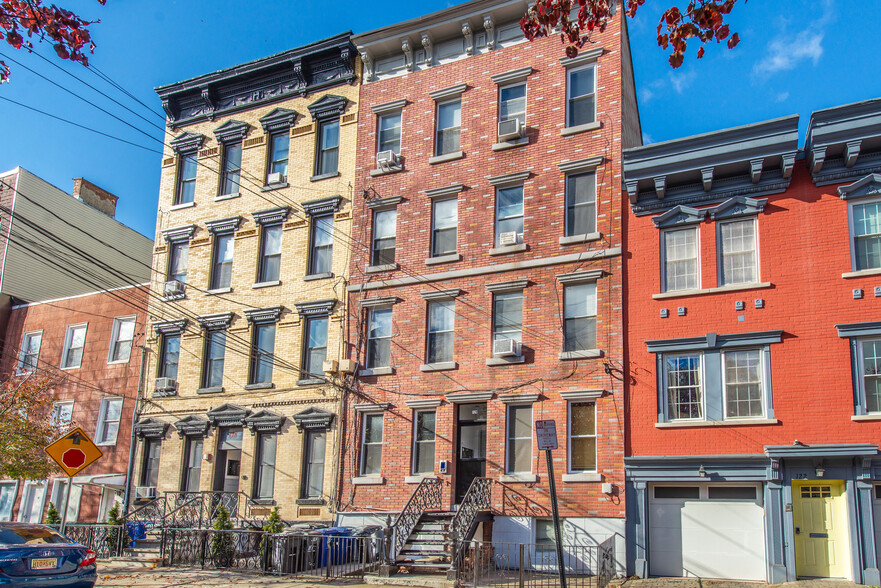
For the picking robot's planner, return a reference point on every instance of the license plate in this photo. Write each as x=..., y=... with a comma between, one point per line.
x=50, y=563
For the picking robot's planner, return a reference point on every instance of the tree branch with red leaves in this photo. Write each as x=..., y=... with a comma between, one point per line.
x=23, y=20
x=702, y=20
x=26, y=426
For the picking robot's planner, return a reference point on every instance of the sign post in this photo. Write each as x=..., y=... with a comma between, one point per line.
x=546, y=434
x=73, y=453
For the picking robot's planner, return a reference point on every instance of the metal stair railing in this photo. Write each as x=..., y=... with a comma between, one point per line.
x=189, y=514
x=427, y=496
x=477, y=499
x=152, y=513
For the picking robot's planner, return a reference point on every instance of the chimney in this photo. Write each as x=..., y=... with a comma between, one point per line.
x=96, y=197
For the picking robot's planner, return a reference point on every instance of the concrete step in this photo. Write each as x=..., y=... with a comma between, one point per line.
x=430, y=540
x=424, y=565
x=410, y=579
x=425, y=551
x=431, y=527
x=139, y=562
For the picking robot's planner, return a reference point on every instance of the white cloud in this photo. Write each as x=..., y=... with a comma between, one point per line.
x=646, y=139
x=787, y=50
x=678, y=82
x=781, y=97
x=645, y=94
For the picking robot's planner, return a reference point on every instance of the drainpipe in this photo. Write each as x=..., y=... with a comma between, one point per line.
x=133, y=443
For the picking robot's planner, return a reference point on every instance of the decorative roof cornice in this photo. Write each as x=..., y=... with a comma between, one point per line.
x=318, y=307
x=844, y=142
x=192, y=425
x=328, y=106
x=867, y=186
x=170, y=327
x=232, y=131
x=150, y=428
x=322, y=205
x=313, y=418
x=264, y=421
x=272, y=215
x=179, y=234
x=269, y=314
x=279, y=119
x=213, y=322
x=224, y=225
x=228, y=415
x=187, y=142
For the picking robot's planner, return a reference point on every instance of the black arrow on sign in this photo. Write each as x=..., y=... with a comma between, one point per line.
x=75, y=438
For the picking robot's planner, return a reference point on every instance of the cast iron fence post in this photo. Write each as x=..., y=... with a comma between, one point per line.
x=204, y=545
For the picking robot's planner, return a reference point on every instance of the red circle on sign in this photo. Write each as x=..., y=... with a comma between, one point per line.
x=73, y=458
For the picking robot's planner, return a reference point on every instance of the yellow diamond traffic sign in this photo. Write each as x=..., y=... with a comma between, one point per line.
x=74, y=452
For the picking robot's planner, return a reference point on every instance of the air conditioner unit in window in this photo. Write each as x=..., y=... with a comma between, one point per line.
x=510, y=130
x=145, y=492
x=275, y=178
x=386, y=159
x=506, y=348
x=174, y=288
x=330, y=366
x=509, y=238
x=166, y=385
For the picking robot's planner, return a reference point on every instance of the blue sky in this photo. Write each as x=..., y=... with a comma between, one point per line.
x=794, y=57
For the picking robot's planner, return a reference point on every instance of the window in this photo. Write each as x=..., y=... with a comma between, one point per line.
x=62, y=414
x=177, y=261
x=743, y=384
x=169, y=356
x=7, y=499
x=379, y=338
x=270, y=254
x=866, y=229
x=121, y=339
x=423, y=442
x=59, y=495
x=192, y=464
x=444, y=223
x=738, y=251
x=579, y=317
x=30, y=351
x=315, y=348
x=389, y=131
x=581, y=206
x=519, y=446
x=509, y=213
x=449, y=119
x=313, y=466
x=684, y=387
x=870, y=368
x=215, y=350
x=582, y=437
x=384, y=222
x=221, y=271
x=507, y=316
x=265, y=475
x=279, y=149
x=186, y=179
x=580, y=94
x=371, y=445
x=441, y=320
x=150, y=467
x=108, y=421
x=678, y=492
x=231, y=169
x=512, y=103
x=545, y=535
x=328, y=147
x=680, y=260
x=321, y=251
x=32, y=501
x=263, y=346
x=74, y=342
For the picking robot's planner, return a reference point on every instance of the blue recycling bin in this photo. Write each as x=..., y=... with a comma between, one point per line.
x=340, y=550
x=135, y=531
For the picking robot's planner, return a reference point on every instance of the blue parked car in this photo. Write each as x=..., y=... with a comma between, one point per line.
x=37, y=556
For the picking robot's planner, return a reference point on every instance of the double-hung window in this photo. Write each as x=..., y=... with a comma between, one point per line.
x=169, y=356
x=262, y=350
x=109, y=415
x=389, y=133
x=519, y=439
x=579, y=316
x=681, y=271
x=371, y=444
x=62, y=414
x=870, y=374
x=192, y=464
x=685, y=396
x=269, y=269
x=178, y=259
x=512, y=103
x=121, y=339
x=215, y=351
x=315, y=346
x=264, y=478
x=230, y=168
x=379, y=338
x=744, y=390
x=582, y=437
x=444, y=226
x=738, y=251
x=186, y=178
x=30, y=351
x=221, y=270
x=866, y=235
x=581, y=209
x=509, y=215
x=8, y=490
x=74, y=343
x=321, y=249
x=279, y=150
x=423, y=442
x=581, y=96
x=384, y=232
x=327, y=156
x=507, y=318
x=150, y=465
x=313, y=464
x=441, y=322
x=449, y=121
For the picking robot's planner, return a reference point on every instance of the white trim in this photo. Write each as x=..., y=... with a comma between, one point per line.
x=417, y=478
x=102, y=413
x=575, y=67
x=468, y=397
x=763, y=384
x=414, y=441
x=27, y=304
x=519, y=477
x=850, y=233
x=514, y=476
x=15, y=484
x=663, y=256
x=519, y=398
x=420, y=404
x=33, y=484
x=583, y=477
x=52, y=416
x=720, y=260
x=367, y=480
x=728, y=423
x=378, y=475
x=114, y=338
x=703, y=389
x=596, y=457
x=731, y=288
x=21, y=351
x=68, y=336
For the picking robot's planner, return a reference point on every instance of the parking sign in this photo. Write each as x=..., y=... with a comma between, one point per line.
x=546, y=434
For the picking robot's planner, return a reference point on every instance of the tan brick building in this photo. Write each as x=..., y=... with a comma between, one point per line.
x=250, y=264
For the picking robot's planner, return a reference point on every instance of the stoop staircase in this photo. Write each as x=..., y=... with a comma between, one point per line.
x=144, y=552
x=429, y=547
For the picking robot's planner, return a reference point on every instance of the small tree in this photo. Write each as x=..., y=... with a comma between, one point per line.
x=52, y=516
x=26, y=426
x=223, y=548
x=114, y=533
x=273, y=525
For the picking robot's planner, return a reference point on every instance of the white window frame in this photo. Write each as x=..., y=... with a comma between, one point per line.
x=862, y=372
x=508, y=438
x=438, y=129
x=114, y=338
x=53, y=418
x=368, y=355
x=697, y=241
x=703, y=386
x=14, y=484
x=23, y=351
x=364, y=417
x=447, y=304
x=57, y=498
x=416, y=441
x=379, y=119
x=525, y=101
x=33, y=486
x=374, y=239
x=569, y=96
x=102, y=415
x=850, y=231
x=720, y=251
x=570, y=436
x=521, y=216
x=68, y=338
x=569, y=196
x=763, y=385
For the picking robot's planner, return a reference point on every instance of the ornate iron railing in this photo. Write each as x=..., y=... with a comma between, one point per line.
x=606, y=564
x=105, y=540
x=236, y=549
x=151, y=514
x=477, y=499
x=189, y=514
x=426, y=497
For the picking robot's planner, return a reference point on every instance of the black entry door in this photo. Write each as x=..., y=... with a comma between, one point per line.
x=471, y=451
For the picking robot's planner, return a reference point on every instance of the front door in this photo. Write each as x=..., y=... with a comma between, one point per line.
x=819, y=512
x=471, y=452
x=229, y=458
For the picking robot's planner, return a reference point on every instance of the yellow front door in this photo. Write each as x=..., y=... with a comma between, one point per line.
x=819, y=510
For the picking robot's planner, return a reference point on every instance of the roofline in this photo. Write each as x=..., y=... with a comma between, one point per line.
x=29, y=304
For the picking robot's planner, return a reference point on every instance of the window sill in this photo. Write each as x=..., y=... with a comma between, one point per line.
x=320, y=177
x=182, y=206
x=310, y=381
x=446, y=157
x=492, y=361
x=585, y=238
x=583, y=477
x=377, y=371
x=117, y=362
x=384, y=172
x=866, y=417
x=311, y=501
x=438, y=367
x=859, y=274
x=312, y=277
x=731, y=423
x=271, y=187
x=106, y=443
x=731, y=288
x=505, y=249
x=211, y=390
x=266, y=284
x=504, y=145
x=525, y=478
x=583, y=354
x=592, y=126
x=443, y=259
x=374, y=269
x=260, y=386
x=223, y=197
x=217, y=291
x=417, y=479
x=368, y=481
x=70, y=367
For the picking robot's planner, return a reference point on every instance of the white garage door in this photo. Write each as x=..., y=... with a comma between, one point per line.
x=707, y=531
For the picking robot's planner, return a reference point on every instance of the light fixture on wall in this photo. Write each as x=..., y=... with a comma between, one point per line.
x=206, y=457
x=819, y=470
x=702, y=472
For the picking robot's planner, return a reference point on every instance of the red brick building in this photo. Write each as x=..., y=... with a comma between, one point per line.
x=752, y=308
x=485, y=283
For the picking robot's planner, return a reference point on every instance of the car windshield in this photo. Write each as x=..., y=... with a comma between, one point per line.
x=30, y=536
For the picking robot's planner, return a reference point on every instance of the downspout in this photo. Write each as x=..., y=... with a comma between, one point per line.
x=133, y=443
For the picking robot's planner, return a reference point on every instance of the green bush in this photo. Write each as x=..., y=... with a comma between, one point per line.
x=114, y=518
x=52, y=516
x=223, y=549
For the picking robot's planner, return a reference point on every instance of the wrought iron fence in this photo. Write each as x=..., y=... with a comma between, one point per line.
x=104, y=540
x=427, y=496
x=478, y=498
x=529, y=565
x=204, y=548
